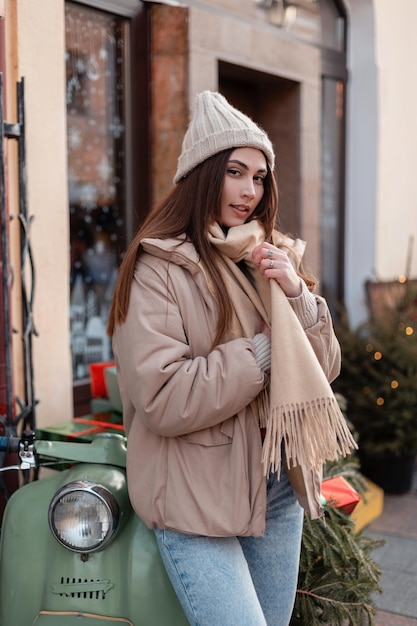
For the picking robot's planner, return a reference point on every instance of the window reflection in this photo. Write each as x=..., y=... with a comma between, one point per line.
x=95, y=141
x=332, y=187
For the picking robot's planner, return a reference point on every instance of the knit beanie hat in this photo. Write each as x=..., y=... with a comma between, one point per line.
x=216, y=126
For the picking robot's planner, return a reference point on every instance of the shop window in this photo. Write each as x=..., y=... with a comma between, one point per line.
x=333, y=129
x=96, y=157
x=96, y=129
x=107, y=135
x=332, y=188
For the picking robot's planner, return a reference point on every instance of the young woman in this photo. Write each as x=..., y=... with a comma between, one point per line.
x=224, y=358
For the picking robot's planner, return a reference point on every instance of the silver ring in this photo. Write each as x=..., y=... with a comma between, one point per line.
x=270, y=254
x=271, y=264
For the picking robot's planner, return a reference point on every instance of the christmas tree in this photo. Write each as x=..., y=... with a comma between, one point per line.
x=379, y=378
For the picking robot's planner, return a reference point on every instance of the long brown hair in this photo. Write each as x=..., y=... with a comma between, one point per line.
x=193, y=204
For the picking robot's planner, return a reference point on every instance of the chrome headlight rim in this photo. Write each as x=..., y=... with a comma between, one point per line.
x=104, y=497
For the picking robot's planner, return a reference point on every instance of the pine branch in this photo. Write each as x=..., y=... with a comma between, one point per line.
x=337, y=575
x=334, y=601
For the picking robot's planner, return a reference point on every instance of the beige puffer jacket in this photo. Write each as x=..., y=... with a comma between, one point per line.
x=194, y=445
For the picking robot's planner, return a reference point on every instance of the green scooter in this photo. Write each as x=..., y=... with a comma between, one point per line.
x=72, y=551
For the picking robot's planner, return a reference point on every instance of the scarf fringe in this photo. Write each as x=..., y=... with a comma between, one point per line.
x=326, y=435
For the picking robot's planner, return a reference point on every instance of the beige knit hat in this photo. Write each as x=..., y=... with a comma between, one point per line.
x=216, y=126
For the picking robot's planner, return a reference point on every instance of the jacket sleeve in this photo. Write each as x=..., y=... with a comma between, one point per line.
x=324, y=341
x=171, y=390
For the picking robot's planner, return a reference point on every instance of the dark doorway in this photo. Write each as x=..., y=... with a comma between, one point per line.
x=273, y=103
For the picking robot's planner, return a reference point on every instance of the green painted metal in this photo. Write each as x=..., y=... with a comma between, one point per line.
x=126, y=580
x=106, y=448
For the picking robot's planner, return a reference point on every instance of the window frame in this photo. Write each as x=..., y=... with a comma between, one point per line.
x=122, y=8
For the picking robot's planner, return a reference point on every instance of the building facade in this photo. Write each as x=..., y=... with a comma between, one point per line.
x=108, y=89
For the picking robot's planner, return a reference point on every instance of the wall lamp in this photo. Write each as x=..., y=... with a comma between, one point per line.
x=282, y=13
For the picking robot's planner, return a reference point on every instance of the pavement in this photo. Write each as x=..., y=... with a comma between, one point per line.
x=397, y=559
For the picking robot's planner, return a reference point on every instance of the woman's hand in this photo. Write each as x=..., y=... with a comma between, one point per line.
x=274, y=263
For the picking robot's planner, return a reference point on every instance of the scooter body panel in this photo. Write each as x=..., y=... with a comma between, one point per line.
x=125, y=580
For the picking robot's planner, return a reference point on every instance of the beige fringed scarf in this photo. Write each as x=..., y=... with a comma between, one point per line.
x=302, y=409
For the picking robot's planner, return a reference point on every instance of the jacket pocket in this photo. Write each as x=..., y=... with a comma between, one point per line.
x=219, y=435
x=208, y=489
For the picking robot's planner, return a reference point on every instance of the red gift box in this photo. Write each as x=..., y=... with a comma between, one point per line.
x=98, y=382
x=338, y=493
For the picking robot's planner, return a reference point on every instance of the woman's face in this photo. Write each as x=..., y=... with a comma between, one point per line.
x=243, y=186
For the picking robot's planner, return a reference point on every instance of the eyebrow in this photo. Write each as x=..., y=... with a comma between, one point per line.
x=262, y=169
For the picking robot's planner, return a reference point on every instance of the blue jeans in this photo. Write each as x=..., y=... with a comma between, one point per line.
x=239, y=581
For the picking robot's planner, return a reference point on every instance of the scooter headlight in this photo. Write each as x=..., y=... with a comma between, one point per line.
x=83, y=516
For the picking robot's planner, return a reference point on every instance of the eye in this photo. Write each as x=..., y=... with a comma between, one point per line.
x=233, y=171
x=259, y=179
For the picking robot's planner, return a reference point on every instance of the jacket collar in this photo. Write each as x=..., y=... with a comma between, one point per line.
x=178, y=250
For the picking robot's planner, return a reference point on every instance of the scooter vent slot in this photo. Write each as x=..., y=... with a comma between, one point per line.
x=84, y=588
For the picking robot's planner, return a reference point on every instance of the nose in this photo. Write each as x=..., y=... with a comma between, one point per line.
x=248, y=189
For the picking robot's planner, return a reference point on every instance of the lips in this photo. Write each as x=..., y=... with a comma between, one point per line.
x=241, y=208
